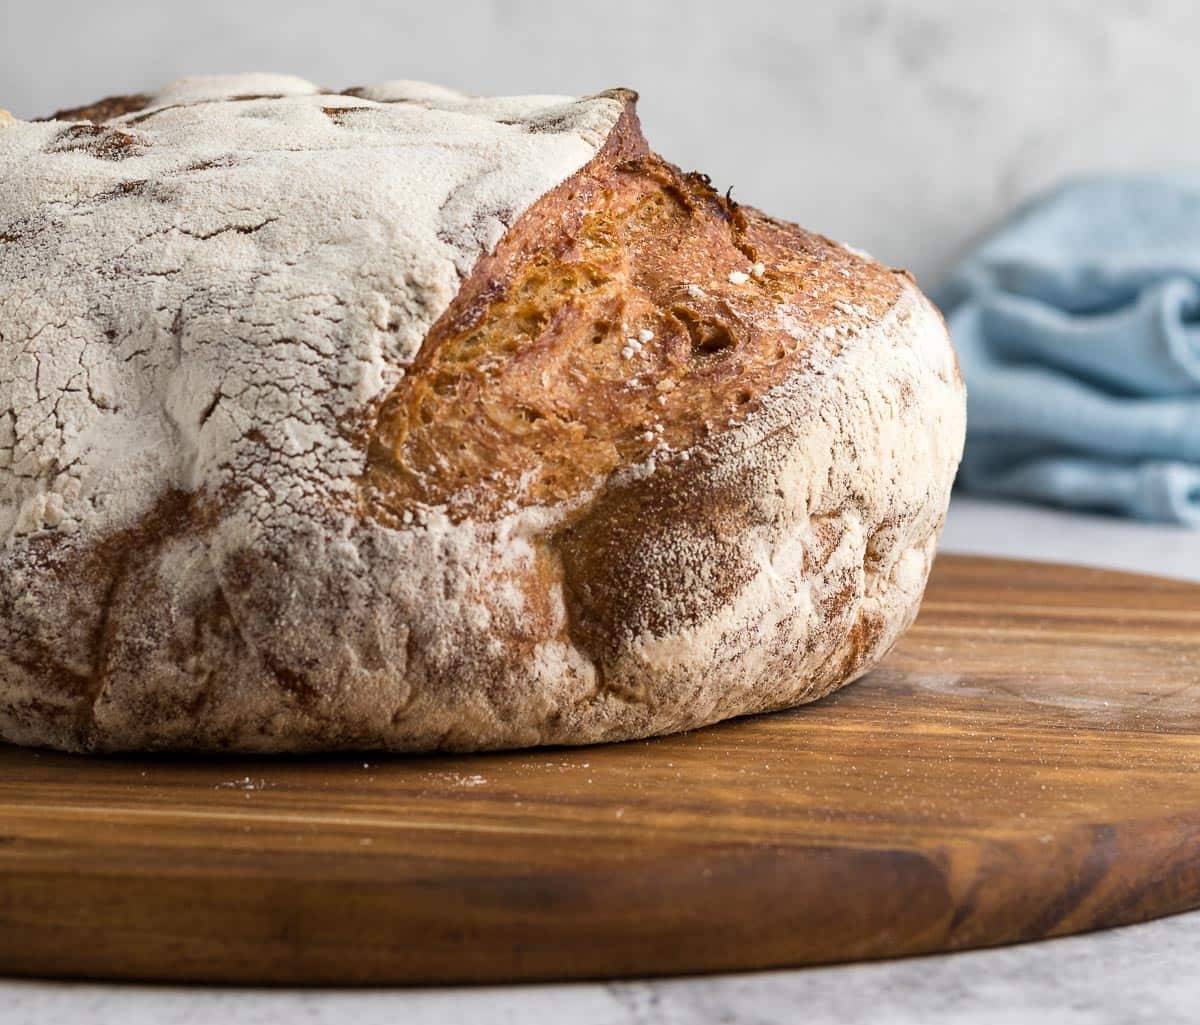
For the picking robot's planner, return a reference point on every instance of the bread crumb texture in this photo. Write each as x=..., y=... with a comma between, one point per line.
x=400, y=418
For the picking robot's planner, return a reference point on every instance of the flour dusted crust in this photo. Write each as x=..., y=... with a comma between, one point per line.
x=301, y=449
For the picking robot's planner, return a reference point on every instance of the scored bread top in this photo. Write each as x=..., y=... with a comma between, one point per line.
x=399, y=296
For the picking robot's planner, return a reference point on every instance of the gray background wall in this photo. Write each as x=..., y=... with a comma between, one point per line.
x=903, y=128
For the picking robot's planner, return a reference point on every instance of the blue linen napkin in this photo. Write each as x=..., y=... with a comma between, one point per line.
x=1077, y=326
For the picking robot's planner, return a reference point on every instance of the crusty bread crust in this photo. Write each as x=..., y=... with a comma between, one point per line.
x=610, y=567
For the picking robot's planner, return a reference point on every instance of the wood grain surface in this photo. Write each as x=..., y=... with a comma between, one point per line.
x=1025, y=764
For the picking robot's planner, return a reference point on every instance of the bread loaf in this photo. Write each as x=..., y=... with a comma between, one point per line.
x=399, y=418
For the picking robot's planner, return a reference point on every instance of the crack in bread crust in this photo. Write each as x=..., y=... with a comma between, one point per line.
x=631, y=310
x=281, y=475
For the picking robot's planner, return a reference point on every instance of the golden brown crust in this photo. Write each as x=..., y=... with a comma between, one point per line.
x=631, y=308
x=103, y=110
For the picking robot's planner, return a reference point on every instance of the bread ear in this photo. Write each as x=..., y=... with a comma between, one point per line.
x=6, y=118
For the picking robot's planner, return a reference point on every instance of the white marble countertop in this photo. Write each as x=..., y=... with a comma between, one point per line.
x=1145, y=973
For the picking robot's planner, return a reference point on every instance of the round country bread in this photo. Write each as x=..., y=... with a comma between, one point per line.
x=398, y=418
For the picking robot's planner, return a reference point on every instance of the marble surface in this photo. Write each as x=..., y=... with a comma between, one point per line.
x=900, y=127
x=1145, y=973
x=1050, y=535
x=1138, y=974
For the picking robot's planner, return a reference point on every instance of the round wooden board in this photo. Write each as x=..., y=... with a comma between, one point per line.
x=1025, y=764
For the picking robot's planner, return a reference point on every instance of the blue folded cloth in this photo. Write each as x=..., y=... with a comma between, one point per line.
x=1077, y=326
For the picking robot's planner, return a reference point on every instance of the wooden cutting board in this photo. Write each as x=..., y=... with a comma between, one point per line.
x=1025, y=764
